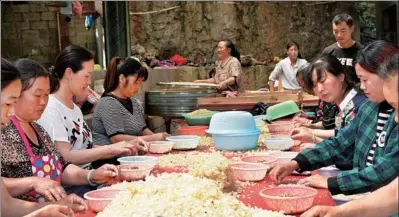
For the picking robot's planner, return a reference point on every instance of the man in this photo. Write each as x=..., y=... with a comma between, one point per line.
x=345, y=49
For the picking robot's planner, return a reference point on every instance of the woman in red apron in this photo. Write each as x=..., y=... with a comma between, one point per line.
x=11, y=207
x=27, y=151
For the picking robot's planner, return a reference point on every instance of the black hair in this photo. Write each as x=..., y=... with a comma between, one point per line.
x=326, y=63
x=389, y=67
x=372, y=56
x=72, y=57
x=343, y=18
x=293, y=43
x=234, y=50
x=8, y=73
x=30, y=70
x=304, y=71
x=127, y=67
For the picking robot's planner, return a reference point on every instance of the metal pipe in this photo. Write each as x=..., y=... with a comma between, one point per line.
x=59, y=32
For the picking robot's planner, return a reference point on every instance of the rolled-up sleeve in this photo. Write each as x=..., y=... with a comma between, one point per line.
x=276, y=72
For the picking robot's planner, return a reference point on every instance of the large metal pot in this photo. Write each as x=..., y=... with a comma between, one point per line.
x=174, y=102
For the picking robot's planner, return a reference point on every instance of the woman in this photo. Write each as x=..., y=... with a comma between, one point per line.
x=330, y=83
x=117, y=117
x=371, y=140
x=288, y=68
x=384, y=201
x=11, y=207
x=63, y=120
x=27, y=151
x=228, y=70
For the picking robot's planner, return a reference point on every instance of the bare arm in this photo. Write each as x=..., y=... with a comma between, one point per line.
x=324, y=134
x=84, y=156
x=271, y=86
x=209, y=80
x=146, y=136
x=18, y=186
x=12, y=207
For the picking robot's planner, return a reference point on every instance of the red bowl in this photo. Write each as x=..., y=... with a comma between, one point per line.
x=193, y=130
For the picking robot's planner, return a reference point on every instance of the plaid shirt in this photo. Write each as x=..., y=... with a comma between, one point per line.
x=354, y=142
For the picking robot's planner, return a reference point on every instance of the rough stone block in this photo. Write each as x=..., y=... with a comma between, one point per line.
x=52, y=24
x=23, y=25
x=21, y=8
x=30, y=34
x=48, y=16
x=31, y=16
x=39, y=25
x=9, y=17
x=37, y=7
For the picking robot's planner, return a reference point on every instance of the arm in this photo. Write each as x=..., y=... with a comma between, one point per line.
x=324, y=134
x=209, y=80
x=330, y=150
x=85, y=156
x=12, y=207
x=383, y=202
x=18, y=186
x=383, y=170
x=274, y=76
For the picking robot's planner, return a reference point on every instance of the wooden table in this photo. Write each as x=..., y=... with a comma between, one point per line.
x=250, y=194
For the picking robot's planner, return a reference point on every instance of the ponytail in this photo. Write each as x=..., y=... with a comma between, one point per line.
x=111, y=80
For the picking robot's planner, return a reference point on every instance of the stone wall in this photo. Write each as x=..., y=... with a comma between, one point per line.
x=261, y=29
x=30, y=30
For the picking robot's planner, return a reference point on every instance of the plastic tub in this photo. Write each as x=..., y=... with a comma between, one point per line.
x=193, y=130
x=234, y=121
x=278, y=143
x=199, y=120
x=184, y=142
x=134, y=172
x=330, y=171
x=249, y=171
x=235, y=141
x=160, y=147
x=281, y=127
x=264, y=159
x=290, y=199
x=138, y=160
x=97, y=200
x=282, y=110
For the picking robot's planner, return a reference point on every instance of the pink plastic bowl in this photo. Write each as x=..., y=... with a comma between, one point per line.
x=290, y=199
x=134, y=172
x=160, y=147
x=249, y=171
x=284, y=157
x=97, y=200
x=264, y=159
x=281, y=127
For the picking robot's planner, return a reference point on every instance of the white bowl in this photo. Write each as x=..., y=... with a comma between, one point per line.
x=184, y=142
x=127, y=173
x=139, y=160
x=278, y=143
x=330, y=171
x=97, y=200
x=160, y=147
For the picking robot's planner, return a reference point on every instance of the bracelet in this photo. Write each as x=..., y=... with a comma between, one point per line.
x=88, y=178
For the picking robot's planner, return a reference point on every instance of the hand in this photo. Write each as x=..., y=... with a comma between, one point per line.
x=316, y=181
x=49, y=189
x=53, y=211
x=302, y=134
x=106, y=173
x=322, y=211
x=280, y=171
x=74, y=202
x=161, y=136
x=301, y=121
x=122, y=148
x=222, y=85
x=140, y=144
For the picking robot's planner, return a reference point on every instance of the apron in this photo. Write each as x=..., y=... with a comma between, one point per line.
x=48, y=167
x=345, y=105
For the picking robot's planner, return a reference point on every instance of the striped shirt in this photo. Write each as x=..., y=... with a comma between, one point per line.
x=383, y=116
